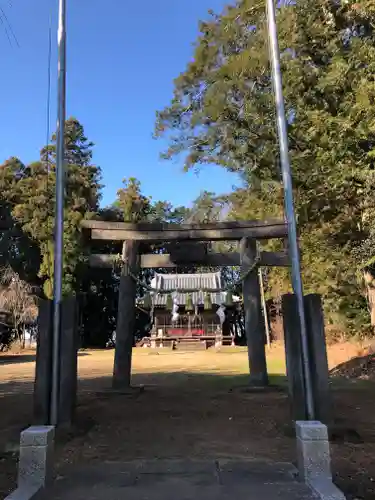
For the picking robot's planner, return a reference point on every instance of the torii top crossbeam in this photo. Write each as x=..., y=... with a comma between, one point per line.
x=155, y=231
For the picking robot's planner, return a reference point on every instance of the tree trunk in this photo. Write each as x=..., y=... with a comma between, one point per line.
x=369, y=280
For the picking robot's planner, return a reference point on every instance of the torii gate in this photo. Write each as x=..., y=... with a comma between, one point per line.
x=249, y=258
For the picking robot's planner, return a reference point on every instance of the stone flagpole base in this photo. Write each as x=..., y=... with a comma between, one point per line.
x=35, y=467
x=314, y=461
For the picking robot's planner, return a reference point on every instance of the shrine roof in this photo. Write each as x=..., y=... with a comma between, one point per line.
x=193, y=282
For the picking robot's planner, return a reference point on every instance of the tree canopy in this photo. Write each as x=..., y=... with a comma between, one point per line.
x=222, y=112
x=27, y=205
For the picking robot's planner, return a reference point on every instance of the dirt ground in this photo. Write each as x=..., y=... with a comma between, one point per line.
x=193, y=405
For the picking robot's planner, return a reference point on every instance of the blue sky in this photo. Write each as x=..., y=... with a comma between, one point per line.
x=122, y=57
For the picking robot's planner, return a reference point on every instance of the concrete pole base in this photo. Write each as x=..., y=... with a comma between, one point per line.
x=35, y=467
x=314, y=460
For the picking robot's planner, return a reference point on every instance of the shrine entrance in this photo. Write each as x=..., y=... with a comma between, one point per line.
x=190, y=250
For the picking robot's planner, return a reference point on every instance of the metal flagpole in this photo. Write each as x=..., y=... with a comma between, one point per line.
x=288, y=199
x=59, y=215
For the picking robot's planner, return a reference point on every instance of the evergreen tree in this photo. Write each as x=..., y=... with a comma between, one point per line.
x=222, y=112
x=17, y=249
x=134, y=206
x=34, y=206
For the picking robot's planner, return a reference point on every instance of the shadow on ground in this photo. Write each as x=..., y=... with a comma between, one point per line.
x=8, y=359
x=185, y=414
x=13, y=359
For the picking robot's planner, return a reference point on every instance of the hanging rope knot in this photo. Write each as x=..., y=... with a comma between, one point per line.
x=117, y=262
x=254, y=265
x=122, y=263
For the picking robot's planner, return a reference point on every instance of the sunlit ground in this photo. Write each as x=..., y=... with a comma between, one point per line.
x=195, y=404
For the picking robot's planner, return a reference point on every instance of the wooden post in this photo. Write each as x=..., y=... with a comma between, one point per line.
x=42, y=386
x=254, y=325
x=126, y=317
x=154, y=332
x=318, y=358
x=293, y=356
x=68, y=361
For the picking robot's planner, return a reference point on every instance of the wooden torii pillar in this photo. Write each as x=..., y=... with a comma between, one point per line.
x=126, y=316
x=254, y=323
